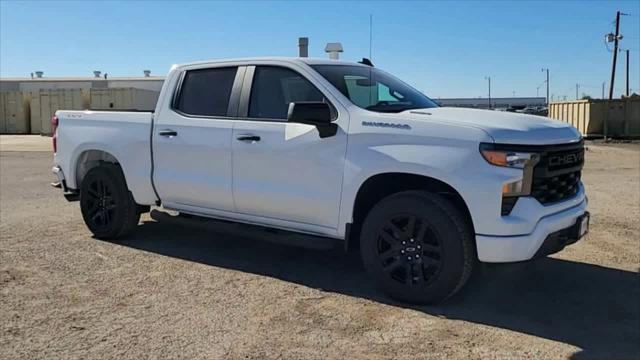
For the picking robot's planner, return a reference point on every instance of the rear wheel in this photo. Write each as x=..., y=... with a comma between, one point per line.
x=417, y=246
x=107, y=206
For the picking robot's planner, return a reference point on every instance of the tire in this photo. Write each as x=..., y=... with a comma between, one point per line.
x=107, y=206
x=417, y=247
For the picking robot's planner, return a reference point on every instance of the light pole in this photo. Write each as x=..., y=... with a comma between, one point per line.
x=488, y=78
x=627, y=72
x=547, y=70
x=537, y=91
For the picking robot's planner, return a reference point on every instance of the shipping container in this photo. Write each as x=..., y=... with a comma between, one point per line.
x=45, y=103
x=123, y=99
x=589, y=116
x=14, y=113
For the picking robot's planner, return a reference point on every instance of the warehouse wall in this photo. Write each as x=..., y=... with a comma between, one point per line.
x=30, y=112
x=51, y=85
x=137, y=84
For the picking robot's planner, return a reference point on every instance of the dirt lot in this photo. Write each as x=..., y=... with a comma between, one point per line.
x=171, y=292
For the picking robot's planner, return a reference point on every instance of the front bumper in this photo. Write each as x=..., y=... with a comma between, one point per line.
x=499, y=249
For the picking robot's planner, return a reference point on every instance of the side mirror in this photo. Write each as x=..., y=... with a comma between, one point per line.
x=313, y=113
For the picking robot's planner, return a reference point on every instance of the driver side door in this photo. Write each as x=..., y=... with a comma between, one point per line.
x=284, y=173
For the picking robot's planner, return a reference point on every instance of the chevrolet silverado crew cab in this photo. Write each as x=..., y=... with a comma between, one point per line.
x=334, y=149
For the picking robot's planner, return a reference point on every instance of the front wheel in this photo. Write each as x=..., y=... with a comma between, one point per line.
x=107, y=206
x=417, y=246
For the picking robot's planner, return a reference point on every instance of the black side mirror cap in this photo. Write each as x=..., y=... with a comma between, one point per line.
x=313, y=113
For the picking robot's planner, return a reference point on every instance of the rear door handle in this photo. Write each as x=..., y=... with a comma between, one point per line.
x=248, y=138
x=168, y=132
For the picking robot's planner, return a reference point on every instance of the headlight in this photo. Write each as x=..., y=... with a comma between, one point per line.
x=502, y=156
x=509, y=158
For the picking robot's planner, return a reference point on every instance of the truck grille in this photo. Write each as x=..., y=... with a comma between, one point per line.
x=555, y=188
x=556, y=177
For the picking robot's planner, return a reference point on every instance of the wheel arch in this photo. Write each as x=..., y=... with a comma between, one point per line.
x=379, y=186
x=90, y=158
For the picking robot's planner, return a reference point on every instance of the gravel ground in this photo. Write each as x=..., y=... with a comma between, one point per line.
x=175, y=292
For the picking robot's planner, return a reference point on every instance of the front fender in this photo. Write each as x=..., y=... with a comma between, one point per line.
x=457, y=163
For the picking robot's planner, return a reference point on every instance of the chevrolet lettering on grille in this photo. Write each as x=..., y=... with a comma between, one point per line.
x=567, y=159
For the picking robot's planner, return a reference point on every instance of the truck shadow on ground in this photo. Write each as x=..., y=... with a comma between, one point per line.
x=592, y=307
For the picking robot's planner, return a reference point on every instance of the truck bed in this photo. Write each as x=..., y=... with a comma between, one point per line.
x=98, y=135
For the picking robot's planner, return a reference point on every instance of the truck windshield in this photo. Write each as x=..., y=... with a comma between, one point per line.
x=374, y=89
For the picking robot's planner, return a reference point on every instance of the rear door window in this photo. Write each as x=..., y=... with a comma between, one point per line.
x=206, y=92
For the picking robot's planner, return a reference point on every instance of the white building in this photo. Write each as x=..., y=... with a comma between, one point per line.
x=153, y=83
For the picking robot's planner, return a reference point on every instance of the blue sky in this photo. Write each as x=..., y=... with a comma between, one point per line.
x=444, y=49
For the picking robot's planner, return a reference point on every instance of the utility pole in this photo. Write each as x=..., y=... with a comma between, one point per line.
x=547, y=70
x=489, y=79
x=627, y=72
x=616, y=39
x=603, y=84
x=577, y=90
x=537, y=91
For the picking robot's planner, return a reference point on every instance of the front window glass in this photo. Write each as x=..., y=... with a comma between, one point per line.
x=274, y=88
x=374, y=89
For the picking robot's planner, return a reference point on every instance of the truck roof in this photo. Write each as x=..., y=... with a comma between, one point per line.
x=308, y=61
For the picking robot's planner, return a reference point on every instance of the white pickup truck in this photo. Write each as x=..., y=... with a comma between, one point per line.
x=334, y=149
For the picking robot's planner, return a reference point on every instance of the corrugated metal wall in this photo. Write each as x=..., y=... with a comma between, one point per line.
x=45, y=103
x=123, y=99
x=30, y=112
x=588, y=116
x=14, y=113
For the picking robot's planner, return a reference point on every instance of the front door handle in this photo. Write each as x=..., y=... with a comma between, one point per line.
x=248, y=138
x=168, y=132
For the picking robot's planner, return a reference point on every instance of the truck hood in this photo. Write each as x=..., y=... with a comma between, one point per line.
x=503, y=127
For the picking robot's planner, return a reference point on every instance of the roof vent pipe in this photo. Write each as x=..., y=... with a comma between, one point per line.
x=303, y=45
x=39, y=74
x=96, y=73
x=147, y=73
x=334, y=50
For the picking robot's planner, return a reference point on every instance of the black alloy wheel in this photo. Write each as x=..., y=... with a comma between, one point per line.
x=409, y=250
x=107, y=205
x=101, y=204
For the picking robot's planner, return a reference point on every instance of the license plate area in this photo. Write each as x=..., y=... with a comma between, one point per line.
x=582, y=225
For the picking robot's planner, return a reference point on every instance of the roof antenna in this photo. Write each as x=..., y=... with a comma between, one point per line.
x=368, y=62
x=370, y=35
x=364, y=60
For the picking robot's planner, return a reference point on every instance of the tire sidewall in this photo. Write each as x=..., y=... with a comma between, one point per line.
x=451, y=233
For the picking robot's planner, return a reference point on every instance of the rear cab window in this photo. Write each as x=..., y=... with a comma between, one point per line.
x=205, y=92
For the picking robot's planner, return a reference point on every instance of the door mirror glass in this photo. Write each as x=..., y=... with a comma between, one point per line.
x=313, y=113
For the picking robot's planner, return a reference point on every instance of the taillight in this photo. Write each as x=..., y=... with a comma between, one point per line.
x=54, y=127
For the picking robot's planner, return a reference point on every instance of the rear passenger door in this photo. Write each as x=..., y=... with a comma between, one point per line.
x=284, y=172
x=192, y=140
